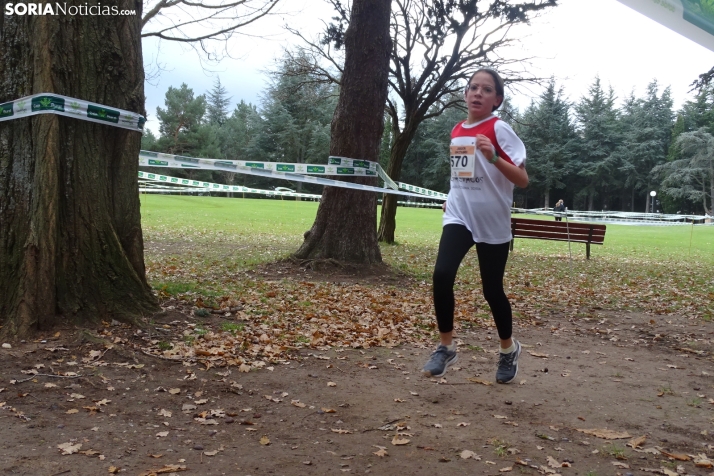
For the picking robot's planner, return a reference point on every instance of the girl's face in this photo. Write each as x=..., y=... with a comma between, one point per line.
x=481, y=97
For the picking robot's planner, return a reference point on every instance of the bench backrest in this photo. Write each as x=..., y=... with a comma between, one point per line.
x=557, y=230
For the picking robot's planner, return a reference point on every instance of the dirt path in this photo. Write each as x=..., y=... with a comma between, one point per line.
x=628, y=373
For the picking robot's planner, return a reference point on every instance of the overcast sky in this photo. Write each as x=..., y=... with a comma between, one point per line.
x=573, y=42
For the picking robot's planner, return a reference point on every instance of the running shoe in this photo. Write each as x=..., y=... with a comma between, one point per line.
x=439, y=361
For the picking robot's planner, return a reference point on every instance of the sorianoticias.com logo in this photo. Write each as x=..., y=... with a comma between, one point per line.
x=64, y=9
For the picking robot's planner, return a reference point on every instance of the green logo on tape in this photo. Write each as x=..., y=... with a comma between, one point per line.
x=360, y=163
x=158, y=162
x=151, y=176
x=285, y=168
x=6, y=109
x=314, y=169
x=102, y=114
x=345, y=171
x=47, y=103
x=255, y=165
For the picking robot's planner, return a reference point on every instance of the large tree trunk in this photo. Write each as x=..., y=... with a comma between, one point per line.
x=71, y=246
x=345, y=227
x=388, y=217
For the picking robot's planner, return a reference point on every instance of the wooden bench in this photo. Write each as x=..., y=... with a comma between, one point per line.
x=559, y=231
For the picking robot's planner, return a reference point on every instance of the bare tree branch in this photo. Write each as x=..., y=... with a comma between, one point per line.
x=201, y=23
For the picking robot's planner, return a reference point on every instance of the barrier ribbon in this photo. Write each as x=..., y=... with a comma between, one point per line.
x=285, y=171
x=201, y=186
x=46, y=103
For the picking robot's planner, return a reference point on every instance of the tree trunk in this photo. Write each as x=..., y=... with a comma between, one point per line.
x=547, y=198
x=388, y=217
x=345, y=226
x=632, y=200
x=71, y=246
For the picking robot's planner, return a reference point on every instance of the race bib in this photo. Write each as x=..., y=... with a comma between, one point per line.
x=463, y=161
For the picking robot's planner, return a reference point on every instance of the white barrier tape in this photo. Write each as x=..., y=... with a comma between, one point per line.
x=422, y=191
x=265, y=169
x=46, y=103
x=217, y=187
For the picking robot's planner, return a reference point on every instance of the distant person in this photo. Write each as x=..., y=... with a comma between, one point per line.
x=559, y=208
x=487, y=159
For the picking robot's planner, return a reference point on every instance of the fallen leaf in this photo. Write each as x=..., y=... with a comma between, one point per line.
x=478, y=380
x=264, y=441
x=506, y=470
x=77, y=396
x=165, y=413
x=50, y=385
x=72, y=411
x=553, y=463
x=201, y=402
x=331, y=384
x=113, y=469
x=341, y=431
x=463, y=423
x=381, y=452
x=396, y=441
x=211, y=453
x=536, y=354
x=296, y=403
x=162, y=434
x=328, y=410
x=701, y=461
x=620, y=465
x=677, y=456
x=69, y=448
x=437, y=425
x=175, y=391
x=169, y=468
x=605, y=434
x=637, y=442
x=500, y=417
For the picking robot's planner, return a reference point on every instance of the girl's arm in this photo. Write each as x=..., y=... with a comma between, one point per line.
x=514, y=173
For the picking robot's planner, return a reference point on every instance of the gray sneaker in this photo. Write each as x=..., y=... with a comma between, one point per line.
x=439, y=362
x=508, y=365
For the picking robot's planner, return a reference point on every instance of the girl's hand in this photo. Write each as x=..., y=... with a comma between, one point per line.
x=484, y=144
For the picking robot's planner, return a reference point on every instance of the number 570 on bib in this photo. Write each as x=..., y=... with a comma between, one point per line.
x=463, y=161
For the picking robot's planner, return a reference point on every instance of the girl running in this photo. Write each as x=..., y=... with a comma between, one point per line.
x=487, y=160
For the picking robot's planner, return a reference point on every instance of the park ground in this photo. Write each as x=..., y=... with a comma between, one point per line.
x=262, y=367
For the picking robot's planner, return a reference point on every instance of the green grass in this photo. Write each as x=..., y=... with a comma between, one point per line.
x=289, y=219
x=203, y=245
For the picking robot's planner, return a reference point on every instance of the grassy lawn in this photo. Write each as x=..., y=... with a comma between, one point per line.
x=659, y=269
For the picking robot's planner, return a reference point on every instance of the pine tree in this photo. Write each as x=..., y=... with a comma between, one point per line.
x=598, y=128
x=217, y=107
x=548, y=133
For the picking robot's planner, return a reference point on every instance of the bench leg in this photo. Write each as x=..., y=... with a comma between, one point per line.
x=587, y=247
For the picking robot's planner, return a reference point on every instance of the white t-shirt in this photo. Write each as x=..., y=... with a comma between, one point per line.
x=483, y=203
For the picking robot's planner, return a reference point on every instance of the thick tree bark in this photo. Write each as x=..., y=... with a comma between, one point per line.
x=345, y=226
x=388, y=217
x=71, y=246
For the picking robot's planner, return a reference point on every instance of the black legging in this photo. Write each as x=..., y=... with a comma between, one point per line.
x=456, y=240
